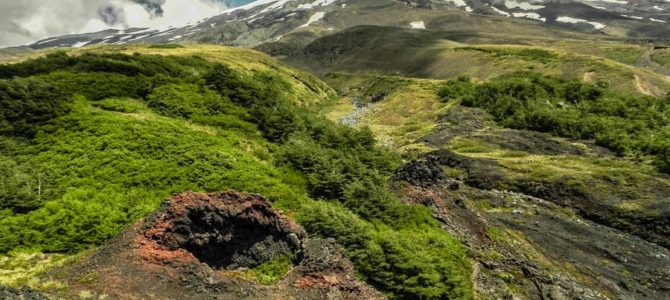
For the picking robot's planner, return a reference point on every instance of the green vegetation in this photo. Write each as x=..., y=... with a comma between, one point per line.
x=514, y=52
x=626, y=124
x=272, y=271
x=105, y=137
x=661, y=57
x=166, y=46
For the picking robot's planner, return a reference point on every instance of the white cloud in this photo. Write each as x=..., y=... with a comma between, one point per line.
x=26, y=21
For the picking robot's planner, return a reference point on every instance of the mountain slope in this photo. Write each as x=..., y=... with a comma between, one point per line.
x=477, y=156
x=447, y=54
x=271, y=20
x=542, y=213
x=93, y=141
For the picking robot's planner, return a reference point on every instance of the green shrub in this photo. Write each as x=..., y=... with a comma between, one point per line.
x=460, y=88
x=410, y=263
x=417, y=265
x=26, y=104
x=99, y=86
x=123, y=105
x=108, y=136
x=335, y=221
x=166, y=46
x=373, y=200
x=276, y=117
x=20, y=186
x=272, y=271
x=625, y=124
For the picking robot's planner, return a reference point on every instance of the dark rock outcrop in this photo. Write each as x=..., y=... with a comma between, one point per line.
x=10, y=293
x=228, y=230
x=542, y=240
x=425, y=4
x=200, y=246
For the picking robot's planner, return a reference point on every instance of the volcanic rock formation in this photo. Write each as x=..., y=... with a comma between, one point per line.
x=201, y=246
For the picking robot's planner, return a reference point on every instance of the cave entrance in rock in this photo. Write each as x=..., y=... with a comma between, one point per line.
x=223, y=241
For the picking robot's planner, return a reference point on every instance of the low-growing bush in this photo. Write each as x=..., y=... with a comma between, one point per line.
x=106, y=137
x=626, y=124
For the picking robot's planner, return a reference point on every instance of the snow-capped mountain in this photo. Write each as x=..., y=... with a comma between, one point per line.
x=265, y=21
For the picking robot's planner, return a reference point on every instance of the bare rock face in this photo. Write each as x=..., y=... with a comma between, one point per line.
x=425, y=4
x=529, y=244
x=9, y=293
x=200, y=246
x=228, y=230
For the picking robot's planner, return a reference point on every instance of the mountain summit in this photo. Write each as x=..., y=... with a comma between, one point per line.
x=262, y=21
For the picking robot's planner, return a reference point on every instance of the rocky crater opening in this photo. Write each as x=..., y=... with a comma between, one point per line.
x=226, y=231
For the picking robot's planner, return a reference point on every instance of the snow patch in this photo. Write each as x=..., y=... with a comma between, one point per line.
x=251, y=5
x=461, y=4
x=44, y=42
x=314, y=18
x=418, y=25
x=316, y=3
x=657, y=20
x=80, y=44
x=169, y=31
x=522, y=5
x=531, y=15
x=633, y=17
x=610, y=1
x=571, y=20
x=276, y=4
x=502, y=12
x=139, y=37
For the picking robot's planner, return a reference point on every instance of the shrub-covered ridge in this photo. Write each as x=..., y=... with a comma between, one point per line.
x=96, y=141
x=626, y=124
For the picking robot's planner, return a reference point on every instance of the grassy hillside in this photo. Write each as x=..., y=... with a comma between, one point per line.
x=448, y=54
x=94, y=139
x=588, y=183
x=399, y=110
x=605, y=151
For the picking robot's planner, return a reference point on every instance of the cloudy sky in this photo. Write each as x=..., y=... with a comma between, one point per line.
x=26, y=21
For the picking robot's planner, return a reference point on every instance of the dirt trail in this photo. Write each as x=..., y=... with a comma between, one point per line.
x=647, y=88
x=646, y=62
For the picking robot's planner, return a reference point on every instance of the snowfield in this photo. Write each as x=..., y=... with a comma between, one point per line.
x=565, y=19
x=314, y=18
x=418, y=25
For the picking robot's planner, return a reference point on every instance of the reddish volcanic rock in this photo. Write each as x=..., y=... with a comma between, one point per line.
x=228, y=230
x=197, y=246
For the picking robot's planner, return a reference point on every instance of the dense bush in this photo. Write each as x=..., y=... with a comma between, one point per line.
x=187, y=68
x=276, y=117
x=410, y=263
x=346, y=165
x=417, y=265
x=26, y=103
x=20, y=186
x=626, y=124
x=99, y=86
x=106, y=137
x=118, y=168
x=517, y=52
